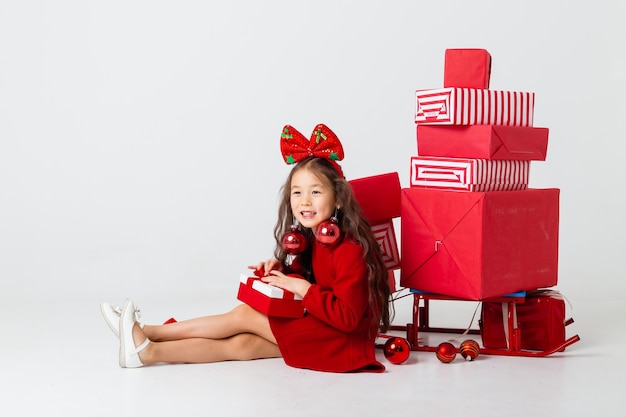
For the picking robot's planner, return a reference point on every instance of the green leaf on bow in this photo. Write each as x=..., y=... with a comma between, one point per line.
x=318, y=135
x=290, y=160
x=285, y=134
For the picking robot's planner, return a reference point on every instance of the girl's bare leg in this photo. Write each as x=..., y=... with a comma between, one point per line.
x=241, y=334
x=244, y=346
x=242, y=319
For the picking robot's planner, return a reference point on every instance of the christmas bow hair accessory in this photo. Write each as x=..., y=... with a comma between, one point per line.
x=323, y=144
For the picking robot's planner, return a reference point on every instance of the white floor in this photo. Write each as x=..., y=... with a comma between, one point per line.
x=59, y=358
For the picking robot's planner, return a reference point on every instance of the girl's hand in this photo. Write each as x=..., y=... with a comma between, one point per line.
x=264, y=267
x=296, y=285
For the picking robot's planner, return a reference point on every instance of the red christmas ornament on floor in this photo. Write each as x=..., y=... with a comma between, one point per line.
x=328, y=233
x=294, y=242
x=397, y=350
x=469, y=349
x=446, y=352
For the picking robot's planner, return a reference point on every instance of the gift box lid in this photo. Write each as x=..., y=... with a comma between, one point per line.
x=267, y=289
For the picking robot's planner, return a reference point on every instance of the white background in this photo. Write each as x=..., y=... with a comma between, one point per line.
x=139, y=139
x=139, y=157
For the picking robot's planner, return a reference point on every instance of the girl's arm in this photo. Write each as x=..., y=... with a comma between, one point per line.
x=341, y=296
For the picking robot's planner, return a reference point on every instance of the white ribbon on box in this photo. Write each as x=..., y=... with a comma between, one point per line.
x=267, y=289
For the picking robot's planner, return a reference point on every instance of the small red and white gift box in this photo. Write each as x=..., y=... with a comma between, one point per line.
x=269, y=299
x=473, y=106
x=458, y=174
x=386, y=237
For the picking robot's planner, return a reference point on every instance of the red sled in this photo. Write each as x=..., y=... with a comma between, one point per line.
x=511, y=344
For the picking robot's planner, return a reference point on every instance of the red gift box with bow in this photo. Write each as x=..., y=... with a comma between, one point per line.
x=269, y=299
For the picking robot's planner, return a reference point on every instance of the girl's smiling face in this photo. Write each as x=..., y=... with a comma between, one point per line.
x=312, y=200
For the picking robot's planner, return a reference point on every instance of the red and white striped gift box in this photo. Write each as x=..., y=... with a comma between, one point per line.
x=386, y=237
x=471, y=106
x=458, y=174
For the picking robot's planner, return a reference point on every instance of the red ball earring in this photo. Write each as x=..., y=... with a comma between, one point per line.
x=328, y=232
x=294, y=242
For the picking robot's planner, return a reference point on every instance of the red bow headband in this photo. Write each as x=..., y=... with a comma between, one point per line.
x=323, y=144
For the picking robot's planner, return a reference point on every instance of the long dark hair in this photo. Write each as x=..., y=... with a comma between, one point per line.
x=352, y=223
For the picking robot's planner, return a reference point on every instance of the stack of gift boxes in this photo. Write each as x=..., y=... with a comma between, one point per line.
x=470, y=226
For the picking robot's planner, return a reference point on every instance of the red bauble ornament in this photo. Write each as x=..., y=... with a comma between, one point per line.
x=469, y=349
x=397, y=350
x=446, y=352
x=328, y=233
x=294, y=242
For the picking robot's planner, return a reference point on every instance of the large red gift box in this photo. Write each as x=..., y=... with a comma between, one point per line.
x=483, y=142
x=467, y=68
x=469, y=174
x=473, y=106
x=481, y=244
x=540, y=320
x=268, y=299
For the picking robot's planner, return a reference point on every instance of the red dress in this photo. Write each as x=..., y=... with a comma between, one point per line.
x=336, y=334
